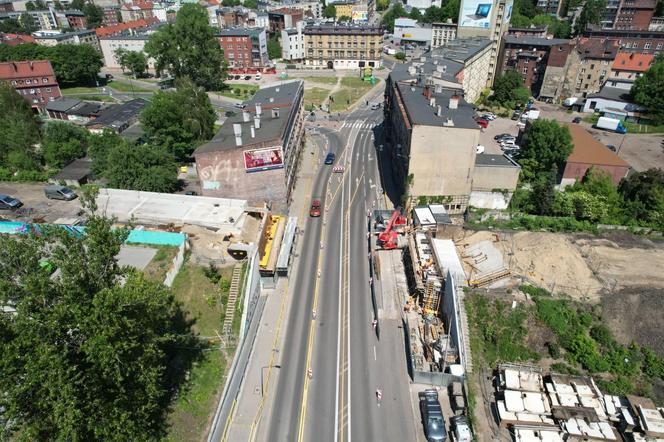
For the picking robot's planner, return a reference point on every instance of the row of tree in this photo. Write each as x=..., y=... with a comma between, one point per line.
x=648, y=90
x=72, y=64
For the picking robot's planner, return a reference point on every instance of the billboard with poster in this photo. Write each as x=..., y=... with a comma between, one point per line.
x=476, y=14
x=508, y=8
x=263, y=159
x=360, y=15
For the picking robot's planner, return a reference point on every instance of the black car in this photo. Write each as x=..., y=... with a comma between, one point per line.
x=329, y=159
x=432, y=416
x=9, y=203
x=516, y=115
x=247, y=77
x=611, y=147
x=503, y=136
x=576, y=120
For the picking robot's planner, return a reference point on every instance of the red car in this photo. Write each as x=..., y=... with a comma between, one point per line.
x=481, y=122
x=314, y=211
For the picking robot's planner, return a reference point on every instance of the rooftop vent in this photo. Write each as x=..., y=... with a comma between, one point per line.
x=432, y=102
x=442, y=68
x=439, y=110
x=271, y=99
x=257, y=122
x=259, y=109
x=454, y=102
x=237, y=130
x=246, y=117
x=275, y=112
x=253, y=132
x=448, y=123
x=438, y=89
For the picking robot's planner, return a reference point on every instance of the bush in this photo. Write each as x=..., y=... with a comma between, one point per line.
x=619, y=386
x=24, y=175
x=554, y=350
x=212, y=273
x=400, y=56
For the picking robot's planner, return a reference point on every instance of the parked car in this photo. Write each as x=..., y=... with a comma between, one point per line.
x=506, y=139
x=375, y=106
x=258, y=76
x=511, y=152
x=314, y=210
x=240, y=105
x=516, y=115
x=611, y=147
x=479, y=149
x=329, y=159
x=191, y=193
x=500, y=136
x=247, y=77
x=9, y=203
x=237, y=77
x=432, y=416
x=481, y=122
x=56, y=192
x=488, y=116
x=576, y=120
x=520, y=124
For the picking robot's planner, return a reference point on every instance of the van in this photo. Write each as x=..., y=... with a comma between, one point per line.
x=56, y=192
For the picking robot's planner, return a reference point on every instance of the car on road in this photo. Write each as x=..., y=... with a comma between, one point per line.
x=56, y=192
x=9, y=203
x=576, y=120
x=237, y=77
x=611, y=147
x=506, y=139
x=247, y=77
x=375, y=106
x=507, y=143
x=258, y=76
x=329, y=159
x=314, y=210
x=240, y=105
x=511, y=152
x=500, y=136
x=432, y=416
x=481, y=122
x=488, y=116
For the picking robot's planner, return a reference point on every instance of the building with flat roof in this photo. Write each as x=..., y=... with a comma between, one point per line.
x=494, y=180
x=117, y=117
x=244, y=48
x=292, y=43
x=343, y=46
x=442, y=33
x=256, y=154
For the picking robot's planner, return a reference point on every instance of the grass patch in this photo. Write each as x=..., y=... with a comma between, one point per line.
x=161, y=262
x=354, y=88
x=635, y=128
x=127, y=87
x=239, y=91
x=79, y=90
x=356, y=82
x=321, y=80
x=315, y=96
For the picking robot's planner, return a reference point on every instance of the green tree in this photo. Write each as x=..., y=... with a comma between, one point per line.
x=543, y=194
x=547, y=145
x=251, y=4
x=508, y=89
x=648, y=90
x=330, y=11
x=63, y=142
x=382, y=5
x=395, y=12
x=94, y=15
x=143, y=167
x=28, y=24
x=75, y=64
x=11, y=26
x=92, y=354
x=171, y=47
x=344, y=19
x=134, y=61
x=643, y=193
x=179, y=120
x=415, y=14
x=400, y=56
x=18, y=131
x=274, y=48
x=99, y=146
x=559, y=28
x=591, y=14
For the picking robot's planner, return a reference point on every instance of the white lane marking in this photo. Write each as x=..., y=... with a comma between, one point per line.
x=375, y=359
x=336, y=393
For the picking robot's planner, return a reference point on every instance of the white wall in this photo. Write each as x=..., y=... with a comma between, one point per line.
x=108, y=47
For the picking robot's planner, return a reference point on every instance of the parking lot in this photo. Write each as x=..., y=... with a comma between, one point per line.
x=445, y=404
x=497, y=126
x=36, y=207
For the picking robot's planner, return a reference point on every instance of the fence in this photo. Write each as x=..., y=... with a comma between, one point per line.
x=177, y=265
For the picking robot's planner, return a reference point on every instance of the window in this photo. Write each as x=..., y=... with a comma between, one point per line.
x=635, y=46
x=27, y=81
x=525, y=70
x=48, y=89
x=659, y=46
x=14, y=82
x=646, y=46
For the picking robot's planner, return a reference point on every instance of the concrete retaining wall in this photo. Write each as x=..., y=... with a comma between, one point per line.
x=177, y=265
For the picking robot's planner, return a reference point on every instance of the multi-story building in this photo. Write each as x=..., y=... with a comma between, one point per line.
x=536, y=32
x=556, y=71
x=344, y=8
x=292, y=43
x=256, y=154
x=72, y=18
x=550, y=6
x=407, y=30
x=490, y=20
x=6, y=6
x=34, y=80
x=529, y=57
x=16, y=39
x=136, y=10
x=588, y=66
x=311, y=9
x=339, y=46
x=423, y=5
x=45, y=19
x=135, y=43
x=53, y=38
x=634, y=40
x=111, y=14
x=236, y=17
x=127, y=28
x=630, y=66
x=284, y=18
x=628, y=14
x=441, y=33
x=656, y=24
x=245, y=49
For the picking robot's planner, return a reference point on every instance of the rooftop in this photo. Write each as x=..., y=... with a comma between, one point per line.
x=62, y=35
x=421, y=112
x=494, y=160
x=587, y=150
x=601, y=48
x=62, y=104
x=118, y=115
x=534, y=41
x=76, y=170
x=613, y=93
x=123, y=27
x=632, y=61
x=239, y=32
x=20, y=69
x=331, y=28
x=271, y=129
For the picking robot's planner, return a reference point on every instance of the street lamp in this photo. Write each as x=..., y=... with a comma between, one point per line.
x=263, y=368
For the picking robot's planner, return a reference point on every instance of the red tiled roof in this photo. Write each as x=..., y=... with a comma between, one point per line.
x=21, y=69
x=630, y=61
x=121, y=27
x=588, y=150
x=138, y=5
x=213, y=2
x=16, y=39
x=601, y=48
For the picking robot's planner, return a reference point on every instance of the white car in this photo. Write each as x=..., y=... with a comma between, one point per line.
x=507, y=143
x=506, y=140
x=510, y=147
x=489, y=116
x=479, y=149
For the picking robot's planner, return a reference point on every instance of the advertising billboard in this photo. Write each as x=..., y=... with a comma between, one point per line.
x=360, y=15
x=508, y=7
x=476, y=14
x=263, y=159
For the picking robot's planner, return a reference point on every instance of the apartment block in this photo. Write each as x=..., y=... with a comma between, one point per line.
x=34, y=80
x=135, y=43
x=280, y=19
x=342, y=46
x=550, y=6
x=292, y=43
x=588, y=66
x=244, y=48
x=633, y=40
x=628, y=14
x=53, y=38
x=441, y=33
x=136, y=11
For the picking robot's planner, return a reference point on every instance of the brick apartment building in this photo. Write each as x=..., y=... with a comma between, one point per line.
x=34, y=80
x=245, y=49
x=122, y=28
x=136, y=11
x=76, y=19
x=528, y=56
x=628, y=14
x=111, y=16
x=284, y=18
x=633, y=40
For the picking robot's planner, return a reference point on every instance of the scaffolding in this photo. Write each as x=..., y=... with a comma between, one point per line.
x=432, y=296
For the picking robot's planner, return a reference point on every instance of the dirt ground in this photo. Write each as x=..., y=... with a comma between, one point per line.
x=620, y=272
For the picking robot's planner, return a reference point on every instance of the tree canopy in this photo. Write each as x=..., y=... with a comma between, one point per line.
x=448, y=10
x=94, y=15
x=178, y=120
x=142, y=167
x=92, y=354
x=63, y=142
x=72, y=64
x=18, y=131
x=134, y=61
x=546, y=145
x=172, y=47
x=644, y=195
x=508, y=89
x=648, y=90
x=394, y=12
x=591, y=14
x=274, y=48
x=330, y=11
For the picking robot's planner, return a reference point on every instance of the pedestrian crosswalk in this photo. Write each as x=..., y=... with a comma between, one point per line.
x=358, y=125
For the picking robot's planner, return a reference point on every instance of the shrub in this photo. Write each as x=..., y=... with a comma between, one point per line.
x=212, y=273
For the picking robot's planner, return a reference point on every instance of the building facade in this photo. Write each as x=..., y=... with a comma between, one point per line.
x=111, y=14
x=335, y=46
x=53, y=38
x=127, y=28
x=109, y=45
x=441, y=33
x=284, y=18
x=551, y=7
x=423, y=5
x=630, y=66
x=310, y=9
x=641, y=41
x=407, y=30
x=33, y=80
x=244, y=48
x=136, y=11
x=588, y=66
x=555, y=73
x=292, y=44
x=256, y=154
x=628, y=14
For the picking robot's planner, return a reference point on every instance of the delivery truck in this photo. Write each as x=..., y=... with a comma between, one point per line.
x=613, y=124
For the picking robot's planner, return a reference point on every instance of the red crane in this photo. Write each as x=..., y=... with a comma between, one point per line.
x=387, y=239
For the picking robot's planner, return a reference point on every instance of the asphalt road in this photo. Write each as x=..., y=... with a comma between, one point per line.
x=336, y=399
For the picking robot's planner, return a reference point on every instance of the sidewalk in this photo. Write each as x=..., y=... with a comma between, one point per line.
x=254, y=401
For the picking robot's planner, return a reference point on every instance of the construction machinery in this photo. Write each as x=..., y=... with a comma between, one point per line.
x=388, y=238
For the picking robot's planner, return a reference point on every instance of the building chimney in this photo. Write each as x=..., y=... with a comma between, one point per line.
x=257, y=122
x=438, y=89
x=432, y=102
x=237, y=130
x=271, y=99
x=454, y=102
x=275, y=112
x=276, y=89
x=426, y=92
x=253, y=132
x=448, y=123
x=439, y=110
x=259, y=109
x=246, y=117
